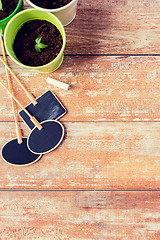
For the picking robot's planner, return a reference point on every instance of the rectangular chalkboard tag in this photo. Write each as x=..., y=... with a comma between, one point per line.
x=48, y=108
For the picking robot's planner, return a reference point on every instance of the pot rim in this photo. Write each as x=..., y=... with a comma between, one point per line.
x=12, y=14
x=52, y=9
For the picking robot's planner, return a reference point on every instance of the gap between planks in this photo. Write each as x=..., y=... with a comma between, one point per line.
x=109, y=55
x=78, y=190
x=125, y=121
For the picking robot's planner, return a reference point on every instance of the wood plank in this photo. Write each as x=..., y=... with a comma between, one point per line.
x=113, y=27
x=104, y=88
x=80, y=215
x=93, y=155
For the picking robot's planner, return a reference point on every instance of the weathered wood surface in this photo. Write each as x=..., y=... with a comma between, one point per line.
x=112, y=133
x=103, y=88
x=114, y=27
x=79, y=215
x=93, y=155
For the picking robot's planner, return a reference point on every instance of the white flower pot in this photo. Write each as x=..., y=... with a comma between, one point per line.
x=66, y=14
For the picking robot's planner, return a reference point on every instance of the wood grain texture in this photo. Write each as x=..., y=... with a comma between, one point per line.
x=113, y=27
x=80, y=215
x=93, y=155
x=103, y=88
x=112, y=133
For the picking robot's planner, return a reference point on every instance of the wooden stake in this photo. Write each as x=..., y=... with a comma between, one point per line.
x=18, y=130
x=33, y=119
x=29, y=95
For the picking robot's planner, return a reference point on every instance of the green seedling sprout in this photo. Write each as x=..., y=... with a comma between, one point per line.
x=1, y=7
x=39, y=45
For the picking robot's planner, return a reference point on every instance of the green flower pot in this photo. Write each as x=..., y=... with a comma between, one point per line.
x=18, y=21
x=4, y=22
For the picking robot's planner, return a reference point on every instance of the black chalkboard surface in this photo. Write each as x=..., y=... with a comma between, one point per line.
x=47, y=139
x=18, y=154
x=48, y=108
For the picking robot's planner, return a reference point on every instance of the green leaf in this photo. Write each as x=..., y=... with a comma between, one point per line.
x=37, y=48
x=38, y=40
x=41, y=45
x=1, y=7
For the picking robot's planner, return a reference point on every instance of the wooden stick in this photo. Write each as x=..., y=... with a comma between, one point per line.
x=33, y=119
x=18, y=130
x=29, y=95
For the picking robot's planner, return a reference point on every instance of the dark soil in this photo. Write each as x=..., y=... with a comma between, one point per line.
x=51, y=4
x=24, y=44
x=8, y=7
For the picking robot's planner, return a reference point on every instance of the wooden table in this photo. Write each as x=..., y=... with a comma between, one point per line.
x=103, y=181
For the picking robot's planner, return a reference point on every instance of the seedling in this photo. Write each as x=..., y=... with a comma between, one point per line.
x=1, y=7
x=39, y=45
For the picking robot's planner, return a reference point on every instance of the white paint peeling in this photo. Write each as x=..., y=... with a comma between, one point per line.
x=28, y=73
x=48, y=183
x=99, y=80
x=94, y=74
x=79, y=169
x=3, y=139
x=109, y=92
x=3, y=108
x=151, y=75
x=73, y=82
x=89, y=110
x=137, y=119
x=17, y=184
x=101, y=119
x=148, y=146
x=154, y=215
x=66, y=74
x=1, y=71
x=133, y=94
x=152, y=226
x=94, y=93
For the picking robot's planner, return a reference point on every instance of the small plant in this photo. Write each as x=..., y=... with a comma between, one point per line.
x=39, y=45
x=1, y=7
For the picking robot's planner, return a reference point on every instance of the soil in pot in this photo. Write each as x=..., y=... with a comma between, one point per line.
x=50, y=4
x=8, y=7
x=25, y=41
